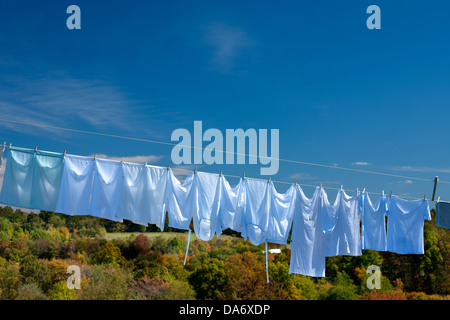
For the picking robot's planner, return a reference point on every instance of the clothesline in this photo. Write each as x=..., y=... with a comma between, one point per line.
x=222, y=151
x=142, y=194
x=305, y=185
x=281, y=182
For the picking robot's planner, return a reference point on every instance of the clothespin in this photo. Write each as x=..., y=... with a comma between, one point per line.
x=195, y=170
x=438, y=199
x=268, y=180
x=341, y=186
x=220, y=174
x=35, y=149
x=390, y=196
x=9, y=147
x=295, y=183
x=364, y=190
x=168, y=166
x=424, y=198
x=95, y=156
x=122, y=160
x=4, y=144
x=145, y=164
x=243, y=176
x=321, y=185
x=357, y=190
x=64, y=154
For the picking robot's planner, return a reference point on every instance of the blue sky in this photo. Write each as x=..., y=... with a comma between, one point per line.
x=340, y=94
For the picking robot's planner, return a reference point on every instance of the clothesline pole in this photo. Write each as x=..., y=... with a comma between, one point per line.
x=436, y=179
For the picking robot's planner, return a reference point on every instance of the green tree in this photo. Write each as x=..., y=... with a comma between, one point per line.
x=9, y=279
x=246, y=277
x=209, y=279
x=6, y=229
x=107, y=282
x=60, y=291
x=343, y=289
x=107, y=254
x=30, y=291
x=34, y=270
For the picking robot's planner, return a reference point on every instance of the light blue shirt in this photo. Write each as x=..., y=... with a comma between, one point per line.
x=76, y=185
x=341, y=225
x=373, y=225
x=405, y=225
x=17, y=181
x=307, y=239
x=142, y=200
x=47, y=175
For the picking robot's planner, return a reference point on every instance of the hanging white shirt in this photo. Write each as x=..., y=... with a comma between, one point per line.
x=230, y=214
x=373, y=225
x=341, y=225
x=280, y=217
x=201, y=201
x=76, y=185
x=177, y=193
x=307, y=239
x=405, y=225
x=143, y=194
x=255, y=210
x=107, y=189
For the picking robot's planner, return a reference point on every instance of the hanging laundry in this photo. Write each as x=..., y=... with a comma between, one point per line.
x=2, y=150
x=106, y=190
x=443, y=214
x=255, y=210
x=177, y=194
x=203, y=202
x=76, y=185
x=143, y=192
x=48, y=171
x=307, y=239
x=405, y=225
x=18, y=178
x=373, y=223
x=341, y=225
x=280, y=217
x=227, y=200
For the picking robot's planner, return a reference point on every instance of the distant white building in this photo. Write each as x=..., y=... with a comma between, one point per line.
x=273, y=251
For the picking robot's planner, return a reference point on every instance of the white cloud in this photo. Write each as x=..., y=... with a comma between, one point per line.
x=301, y=176
x=63, y=101
x=150, y=159
x=421, y=169
x=361, y=163
x=228, y=43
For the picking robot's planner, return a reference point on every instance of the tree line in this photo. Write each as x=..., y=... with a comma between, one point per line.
x=145, y=263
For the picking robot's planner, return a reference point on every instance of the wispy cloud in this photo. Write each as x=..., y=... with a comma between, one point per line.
x=63, y=101
x=301, y=176
x=228, y=43
x=150, y=159
x=361, y=163
x=421, y=169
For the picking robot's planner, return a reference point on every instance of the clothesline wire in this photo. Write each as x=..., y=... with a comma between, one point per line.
x=223, y=151
x=286, y=182
x=303, y=185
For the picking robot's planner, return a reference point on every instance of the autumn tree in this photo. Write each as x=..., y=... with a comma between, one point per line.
x=209, y=279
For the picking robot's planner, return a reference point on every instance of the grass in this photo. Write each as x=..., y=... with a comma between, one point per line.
x=150, y=235
x=169, y=235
